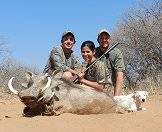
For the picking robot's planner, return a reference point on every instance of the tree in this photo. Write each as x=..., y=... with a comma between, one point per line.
x=139, y=31
x=4, y=52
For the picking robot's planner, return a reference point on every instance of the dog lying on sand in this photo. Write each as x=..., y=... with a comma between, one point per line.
x=131, y=102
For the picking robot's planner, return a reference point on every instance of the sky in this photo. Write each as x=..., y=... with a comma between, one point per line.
x=33, y=27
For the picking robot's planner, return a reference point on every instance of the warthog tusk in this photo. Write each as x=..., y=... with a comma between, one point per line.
x=40, y=98
x=48, y=98
x=11, y=87
x=48, y=84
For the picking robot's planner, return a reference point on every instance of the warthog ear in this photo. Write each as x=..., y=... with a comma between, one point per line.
x=46, y=75
x=29, y=79
x=30, y=74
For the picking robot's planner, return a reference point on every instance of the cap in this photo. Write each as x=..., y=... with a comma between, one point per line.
x=67, y=32
x=103, y=31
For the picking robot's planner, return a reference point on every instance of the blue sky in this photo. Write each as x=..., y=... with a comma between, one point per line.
x=33, y=27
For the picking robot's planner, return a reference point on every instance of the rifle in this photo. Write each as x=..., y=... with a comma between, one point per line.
x=75, y=80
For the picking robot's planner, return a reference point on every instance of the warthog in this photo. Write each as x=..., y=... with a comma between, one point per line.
x=61, y=96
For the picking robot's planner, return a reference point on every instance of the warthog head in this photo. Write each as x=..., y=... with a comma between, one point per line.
x=38, y=91
x=36, y=87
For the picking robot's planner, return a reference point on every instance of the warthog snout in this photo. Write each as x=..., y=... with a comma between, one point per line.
x=29, y=101
x=38, y=88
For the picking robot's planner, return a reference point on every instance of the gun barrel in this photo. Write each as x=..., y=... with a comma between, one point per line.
x=109, y=49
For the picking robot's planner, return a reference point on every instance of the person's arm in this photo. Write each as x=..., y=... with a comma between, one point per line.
x=75, y=65
x=119, y=83
x=55, y=61
x=58, y=59
x=92, y=84
x=119, y=75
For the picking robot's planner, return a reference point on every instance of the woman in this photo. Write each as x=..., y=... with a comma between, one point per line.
x=96, y=76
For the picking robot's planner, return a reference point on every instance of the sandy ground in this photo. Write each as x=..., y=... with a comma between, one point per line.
x=11, y=120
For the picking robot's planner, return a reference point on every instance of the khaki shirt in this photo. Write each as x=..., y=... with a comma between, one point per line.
x=113, y=61
x=59, y=60
x=97, y=73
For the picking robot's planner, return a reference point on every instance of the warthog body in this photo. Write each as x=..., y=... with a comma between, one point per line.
x=66, y=97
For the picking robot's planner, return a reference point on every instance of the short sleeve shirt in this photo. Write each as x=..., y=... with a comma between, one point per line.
x=113, y=60
x=59, y=60
x=97, y=73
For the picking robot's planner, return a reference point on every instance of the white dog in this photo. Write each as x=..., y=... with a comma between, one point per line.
x=131, y=102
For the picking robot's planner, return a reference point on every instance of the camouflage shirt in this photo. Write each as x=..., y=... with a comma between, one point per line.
x=97, y=73
x=59, y=60
x=113, y=61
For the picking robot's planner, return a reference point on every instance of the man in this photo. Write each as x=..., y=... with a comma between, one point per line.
x=62, y=57
x=113, y=60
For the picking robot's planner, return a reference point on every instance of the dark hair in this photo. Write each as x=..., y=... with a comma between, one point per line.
x=89, y=44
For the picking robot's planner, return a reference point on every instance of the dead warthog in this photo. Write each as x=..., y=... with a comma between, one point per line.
x=52, y=95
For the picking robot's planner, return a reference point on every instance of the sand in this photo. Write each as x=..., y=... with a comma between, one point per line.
x=11, y=120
